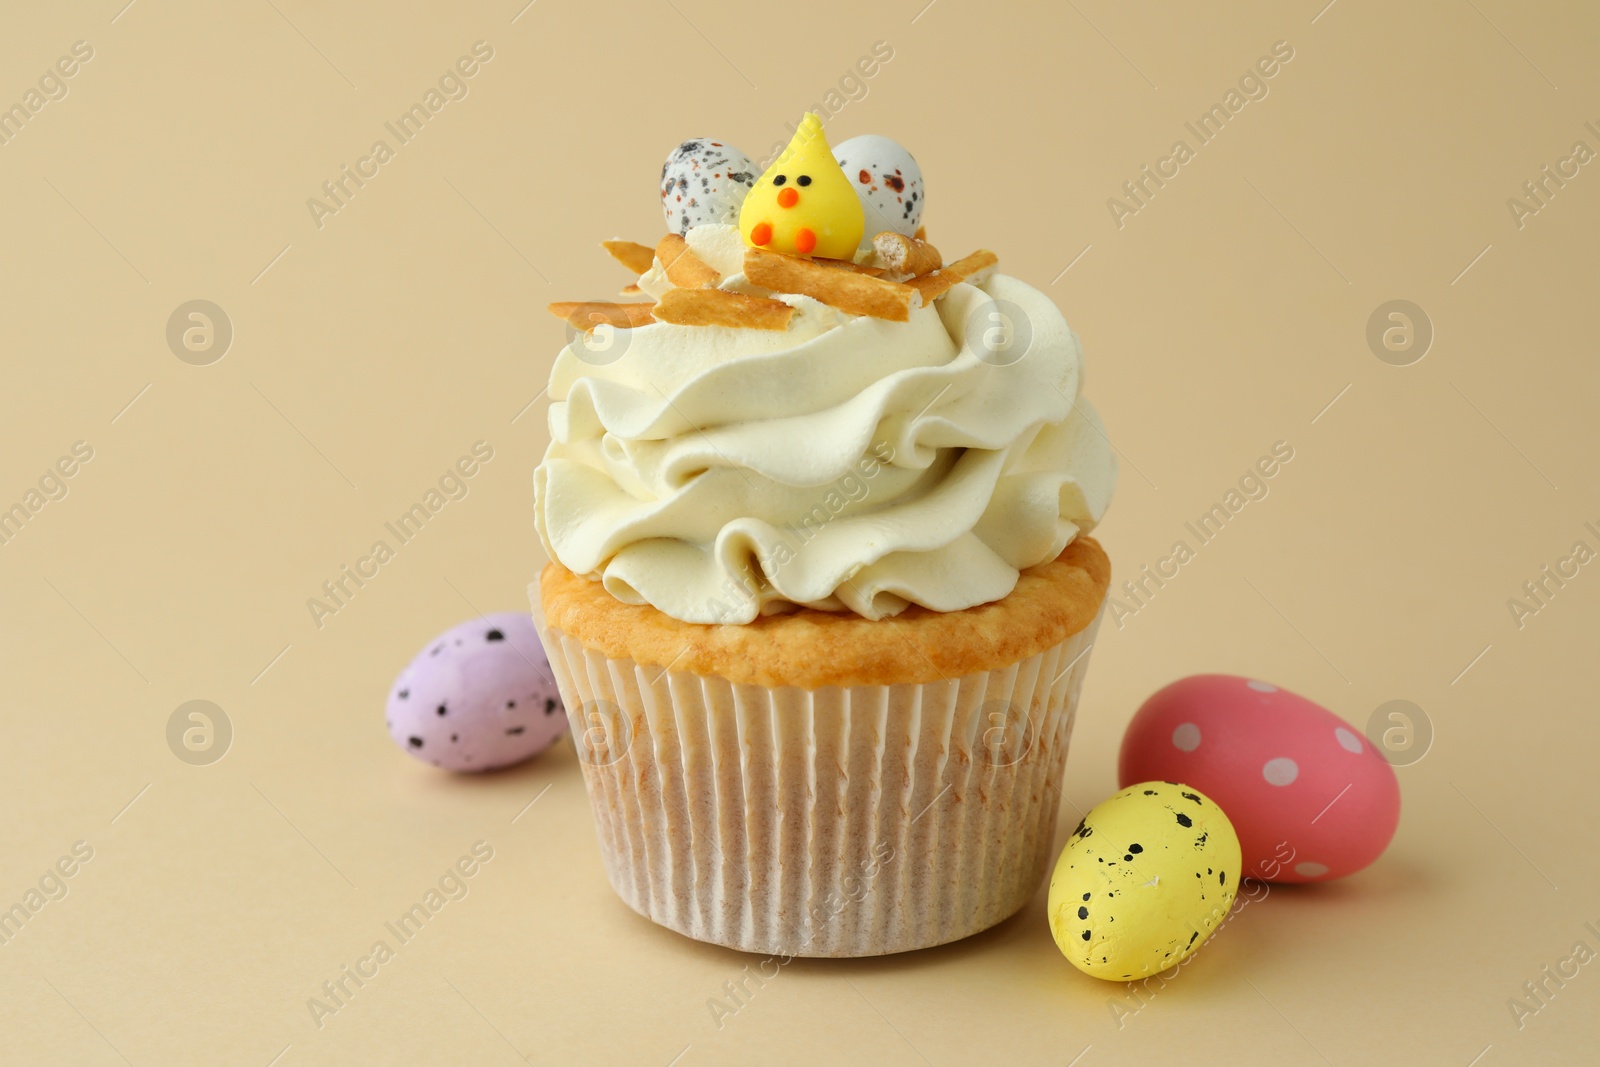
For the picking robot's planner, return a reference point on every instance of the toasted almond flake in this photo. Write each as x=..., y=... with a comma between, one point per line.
x=845, y=264
x=586, y=314
x=631, y=254
x=719, y=307
x=858, y=294
x=684, y=269
x=936, y=284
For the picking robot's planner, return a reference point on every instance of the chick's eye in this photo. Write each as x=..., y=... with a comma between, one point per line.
x=804, y=179
x=779, y=179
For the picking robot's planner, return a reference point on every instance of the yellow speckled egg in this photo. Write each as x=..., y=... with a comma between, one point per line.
x=1144, y=879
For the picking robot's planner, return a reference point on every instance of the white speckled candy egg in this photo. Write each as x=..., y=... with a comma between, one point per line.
x=1144, y=879
x=704, y=180
x=480, y=695
x=887, y=180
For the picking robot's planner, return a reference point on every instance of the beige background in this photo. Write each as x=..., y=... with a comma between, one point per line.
x=1227, y=314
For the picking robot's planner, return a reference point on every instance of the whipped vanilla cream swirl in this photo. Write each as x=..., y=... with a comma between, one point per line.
x=845, y=464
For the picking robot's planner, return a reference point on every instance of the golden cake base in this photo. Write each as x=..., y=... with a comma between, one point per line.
x=873, y=812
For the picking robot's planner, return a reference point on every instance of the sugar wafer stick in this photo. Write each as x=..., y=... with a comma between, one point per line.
x=684, y=269
x=631, y=254
x=858, y=294
x=936, y=284
x=586, y=314
x=906, y=255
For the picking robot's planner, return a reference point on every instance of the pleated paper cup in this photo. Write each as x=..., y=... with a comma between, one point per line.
x=835, y=821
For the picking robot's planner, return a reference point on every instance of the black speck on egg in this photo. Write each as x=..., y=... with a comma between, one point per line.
x=1086, y=896
x=494, y=635
x=403, y=694
x=1086, y=935
x=1184, y=820
x=549, y=706
x=1191, y=796
x=1222, y=877
x=1083, y=912
x=1149, y=792
x=1136, y=848
x=510, y=704
x=455, y=737
x=416, y=742
x=515, y=730
x=442, y=709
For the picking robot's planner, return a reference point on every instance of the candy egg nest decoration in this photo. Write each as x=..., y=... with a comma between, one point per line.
x=801, y=232
x=478, y=697
x=1143, y=881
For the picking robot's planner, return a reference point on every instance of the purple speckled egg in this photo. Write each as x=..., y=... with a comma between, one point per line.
x=479, y=696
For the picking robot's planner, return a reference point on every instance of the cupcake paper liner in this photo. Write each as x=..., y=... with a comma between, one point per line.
x=841, y=821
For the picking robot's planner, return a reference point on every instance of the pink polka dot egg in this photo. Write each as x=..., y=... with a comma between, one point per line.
x=1309, y=796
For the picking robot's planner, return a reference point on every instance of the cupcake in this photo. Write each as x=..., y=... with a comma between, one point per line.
x=820, y=598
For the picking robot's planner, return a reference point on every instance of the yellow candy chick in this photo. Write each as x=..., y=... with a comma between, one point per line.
x=803, y=204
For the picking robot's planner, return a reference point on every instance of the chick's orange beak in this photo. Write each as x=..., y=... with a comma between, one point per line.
x=788, y=198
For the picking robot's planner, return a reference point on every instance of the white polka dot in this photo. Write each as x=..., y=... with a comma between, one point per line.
x=1262, y=687
x=1310, y=870
x=1280, y=771
x=1186, y=737
x=1347, y=740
